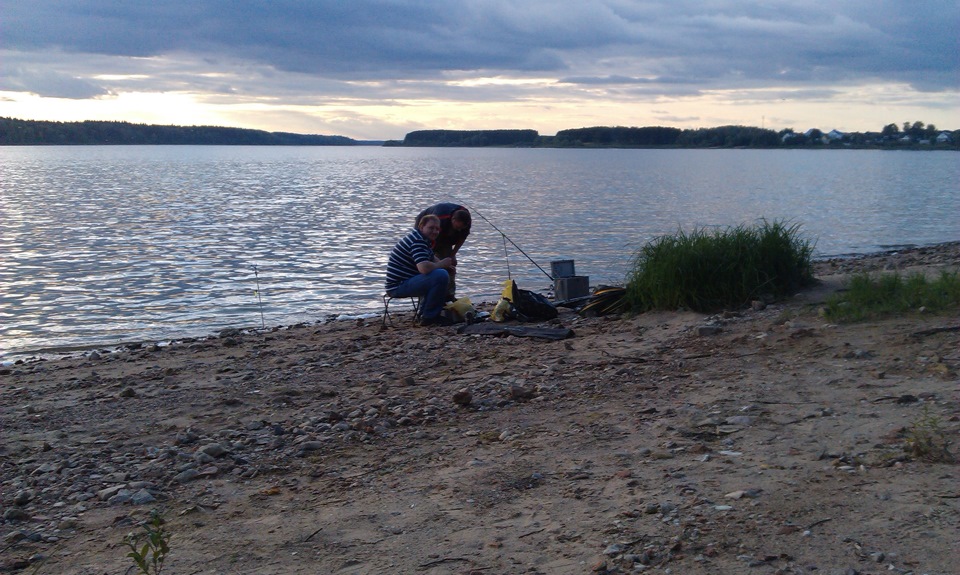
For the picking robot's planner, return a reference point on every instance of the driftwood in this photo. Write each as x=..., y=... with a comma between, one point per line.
x=936, y=330
x=515, y=330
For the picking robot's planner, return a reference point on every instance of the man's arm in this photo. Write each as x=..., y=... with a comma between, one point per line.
x=426, y=267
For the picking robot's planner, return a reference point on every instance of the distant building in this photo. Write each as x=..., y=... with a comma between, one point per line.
x=835, y=135
x=944, y=138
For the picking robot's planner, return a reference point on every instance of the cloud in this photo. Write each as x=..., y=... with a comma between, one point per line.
x=365, y=39
x=50, y=83
x=618, y=79
x=387, y=52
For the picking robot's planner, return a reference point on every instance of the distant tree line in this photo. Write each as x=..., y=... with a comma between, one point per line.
x=618, y=136
x=34, y=132
x=729, y=137
x=470, y=138
x=915, y=135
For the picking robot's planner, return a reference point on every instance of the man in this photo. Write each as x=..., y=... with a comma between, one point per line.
x=455, y=222
x=414, y=271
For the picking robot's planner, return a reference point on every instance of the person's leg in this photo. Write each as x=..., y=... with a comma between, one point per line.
x=451, y=294
x=442, y=251
x=432, y=287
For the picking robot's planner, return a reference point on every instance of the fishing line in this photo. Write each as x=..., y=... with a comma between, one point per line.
x=506, y=257
x=505, y=240
x=263, y=324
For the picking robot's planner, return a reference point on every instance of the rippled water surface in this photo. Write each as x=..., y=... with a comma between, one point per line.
x=104, y=245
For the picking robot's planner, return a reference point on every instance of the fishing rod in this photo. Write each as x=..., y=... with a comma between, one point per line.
x=506, y=239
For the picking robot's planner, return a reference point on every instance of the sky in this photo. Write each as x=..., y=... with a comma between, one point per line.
x=378, y=69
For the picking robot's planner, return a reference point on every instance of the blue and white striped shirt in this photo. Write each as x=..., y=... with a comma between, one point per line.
x=409, y=251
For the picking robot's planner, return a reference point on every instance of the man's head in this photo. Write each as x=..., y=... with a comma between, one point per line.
x=460, y=220
x=429, y=227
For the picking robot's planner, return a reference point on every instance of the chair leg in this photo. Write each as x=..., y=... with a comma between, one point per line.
x=386, y=311
x=416, y=302
x=416, y=307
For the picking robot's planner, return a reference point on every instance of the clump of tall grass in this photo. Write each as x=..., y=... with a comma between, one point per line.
x=712, y=270
x=876, y=296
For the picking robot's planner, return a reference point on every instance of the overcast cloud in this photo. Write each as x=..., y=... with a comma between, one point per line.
x=306, y=53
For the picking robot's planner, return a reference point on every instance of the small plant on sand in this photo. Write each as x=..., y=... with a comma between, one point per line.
x=873, y=297
x=709, y=271
x=927, y=440
x=149, y=557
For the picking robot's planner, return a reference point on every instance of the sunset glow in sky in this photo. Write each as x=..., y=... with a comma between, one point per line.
x=370, y=69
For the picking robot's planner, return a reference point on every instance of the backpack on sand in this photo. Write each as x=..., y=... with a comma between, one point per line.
x=524, y=305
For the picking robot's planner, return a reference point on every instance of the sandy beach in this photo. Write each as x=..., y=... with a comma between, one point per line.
x=765, y=440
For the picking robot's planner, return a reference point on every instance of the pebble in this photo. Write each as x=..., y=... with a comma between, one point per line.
x=708, y=330
x=142, y=497
x=209, y=471
x=741, y=493
x=187, y=437
x=521, y=392
x=213, y=450
x=109, y=492
x=45, y=468
x=613, y=550
x=14, y=514
x=463, y=397
x=740, y=420
x=666, y=507
x=203, y=458
x=68, y=522
x=23, y=497
x=186, y=475
x=312, y=445
x=121, y=497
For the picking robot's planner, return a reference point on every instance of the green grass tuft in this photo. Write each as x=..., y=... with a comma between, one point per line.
x=875, y=297
x=709, y=271
x=927, y=439
x=149, y=557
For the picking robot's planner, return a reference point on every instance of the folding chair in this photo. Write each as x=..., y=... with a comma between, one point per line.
x=414, y=301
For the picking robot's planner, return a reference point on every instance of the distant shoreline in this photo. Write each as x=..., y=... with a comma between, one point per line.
x=15, y=132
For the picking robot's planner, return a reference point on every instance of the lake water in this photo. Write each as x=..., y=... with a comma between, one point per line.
x=104, y=245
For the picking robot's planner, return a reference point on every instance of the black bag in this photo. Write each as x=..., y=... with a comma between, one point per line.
x=530, y=306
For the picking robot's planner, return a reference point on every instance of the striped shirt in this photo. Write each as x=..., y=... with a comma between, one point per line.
x=409, y=251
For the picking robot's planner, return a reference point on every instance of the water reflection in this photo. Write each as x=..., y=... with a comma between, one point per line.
x=109, y=244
